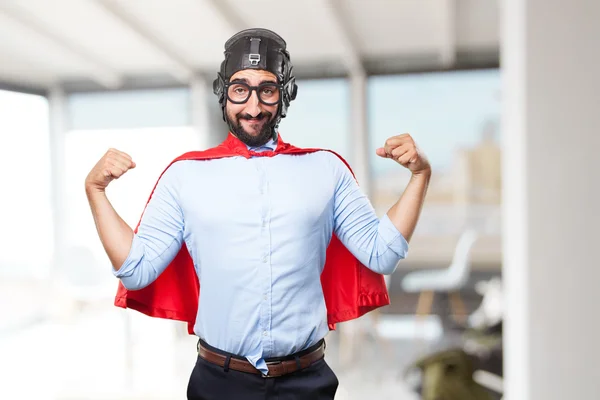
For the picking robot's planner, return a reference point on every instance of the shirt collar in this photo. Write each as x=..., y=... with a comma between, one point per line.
x=270, y=145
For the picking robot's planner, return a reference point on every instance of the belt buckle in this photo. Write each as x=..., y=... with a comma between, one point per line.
x=270, y=363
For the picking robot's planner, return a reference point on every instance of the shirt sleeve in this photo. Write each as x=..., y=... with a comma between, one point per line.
x=374, y=241
x=159, y=236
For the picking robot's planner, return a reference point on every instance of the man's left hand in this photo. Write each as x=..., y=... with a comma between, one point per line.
x=404, y=151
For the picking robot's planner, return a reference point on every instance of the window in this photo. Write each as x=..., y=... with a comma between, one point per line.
x=26, y=208
x=319, y=116
x=453, y=116
x=152, y=126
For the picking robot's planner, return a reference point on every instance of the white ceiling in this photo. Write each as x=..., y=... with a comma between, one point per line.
x=108, y=42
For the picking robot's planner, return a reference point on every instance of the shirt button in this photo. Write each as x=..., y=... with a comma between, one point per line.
x=265, y=333
x=265, y=297
x=265, y=259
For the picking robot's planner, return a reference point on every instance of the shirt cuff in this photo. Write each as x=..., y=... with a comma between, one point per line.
x=136, y=253
x=392, y=236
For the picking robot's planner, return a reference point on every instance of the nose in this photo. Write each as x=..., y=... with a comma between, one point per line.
x=253, y=104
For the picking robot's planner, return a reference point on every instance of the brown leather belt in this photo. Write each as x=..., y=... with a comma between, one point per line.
x=276, y=368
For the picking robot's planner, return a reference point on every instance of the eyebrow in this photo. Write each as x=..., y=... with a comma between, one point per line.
x=244, y=80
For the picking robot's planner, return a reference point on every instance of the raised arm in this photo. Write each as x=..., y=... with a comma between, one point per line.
x=138, y=259
x=116, y=236
x=407, y=210
x=380, y=243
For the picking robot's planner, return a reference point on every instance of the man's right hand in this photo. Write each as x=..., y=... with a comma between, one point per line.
x=111, y=166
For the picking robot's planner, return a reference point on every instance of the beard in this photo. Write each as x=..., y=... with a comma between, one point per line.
x=264, y=135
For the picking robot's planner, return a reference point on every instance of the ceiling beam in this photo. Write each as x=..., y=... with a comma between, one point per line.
x=228, y=14
x=100, y=72
x=341, y=26
x=180, y=69
x=448, y=33
x=20, y=88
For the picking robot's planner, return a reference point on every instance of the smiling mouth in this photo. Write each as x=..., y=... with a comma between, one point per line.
x=255, y=123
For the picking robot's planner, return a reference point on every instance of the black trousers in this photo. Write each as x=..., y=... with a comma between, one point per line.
x=211, y=382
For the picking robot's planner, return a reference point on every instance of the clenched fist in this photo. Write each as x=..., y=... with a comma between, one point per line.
x=404, y=151
x=111, y=166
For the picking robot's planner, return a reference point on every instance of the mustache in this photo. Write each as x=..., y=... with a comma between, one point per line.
x=260, y=115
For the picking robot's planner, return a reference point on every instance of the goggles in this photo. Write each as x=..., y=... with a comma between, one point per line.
x=269, y=93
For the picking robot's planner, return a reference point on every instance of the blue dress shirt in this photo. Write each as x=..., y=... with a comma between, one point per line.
x=257, y=230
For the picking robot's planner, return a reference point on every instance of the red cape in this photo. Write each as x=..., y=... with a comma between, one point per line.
x=350, y=289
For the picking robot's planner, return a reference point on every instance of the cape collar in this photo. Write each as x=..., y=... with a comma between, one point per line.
x=236, y=146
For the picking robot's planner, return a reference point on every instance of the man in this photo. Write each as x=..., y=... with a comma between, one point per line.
x=258, y=223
